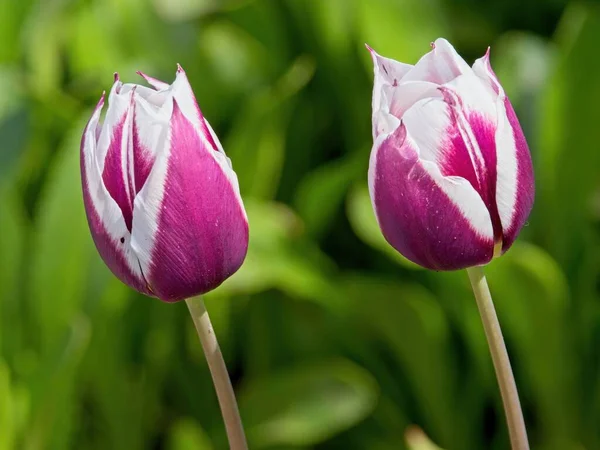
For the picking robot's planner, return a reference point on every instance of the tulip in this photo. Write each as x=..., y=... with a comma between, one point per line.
x=450, y=174
x=160, y=195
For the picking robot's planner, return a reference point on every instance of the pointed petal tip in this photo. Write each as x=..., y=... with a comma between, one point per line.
x=116, y=76
x=369, y=48
x=100, y=103
x=180, y=69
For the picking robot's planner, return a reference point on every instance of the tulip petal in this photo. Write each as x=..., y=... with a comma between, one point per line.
x=438, y=222
x=441, y=65
x=483, y=69
x=473, y=106
x=404, y=96
x=156, y=84
x=435, y=130
x=106, y=222
x=188, y=217
x=150, y=134
x=388, y=73
x=184, y=95
x=115, y=138
x=515, y=189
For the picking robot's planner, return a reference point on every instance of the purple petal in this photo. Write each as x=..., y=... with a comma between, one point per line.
x=117, y=164
x=460, y=142
x=516, y=186
x=192, y=214
x=435, y=221
x=515, y=190
x=106, y=223
x=184, y=95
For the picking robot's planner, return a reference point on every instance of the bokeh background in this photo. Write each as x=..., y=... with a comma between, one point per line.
x=333, y=341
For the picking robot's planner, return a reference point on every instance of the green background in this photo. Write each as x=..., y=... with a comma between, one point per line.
x=333, y=340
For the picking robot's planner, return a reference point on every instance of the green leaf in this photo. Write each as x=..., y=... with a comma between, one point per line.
x=187, y=434
x=63, y=247
x=400, y=29
x=306, y=405
x=53, y=389
x=567, y=159
x=323, y=190
x=12, y=248
x=6, y=410
x=279, y=257
x=256, y=142
x=415, y=329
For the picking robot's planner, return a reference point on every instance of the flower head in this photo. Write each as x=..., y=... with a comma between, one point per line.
x=450, y=174
x=161, y=197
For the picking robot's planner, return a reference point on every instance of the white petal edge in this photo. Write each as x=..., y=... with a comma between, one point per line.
x=507, y=168
x=459, y=191
x=103, y=204
x=147, y=206
x=441, y=65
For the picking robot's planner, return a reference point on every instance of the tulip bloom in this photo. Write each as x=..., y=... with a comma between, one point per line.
x=450, y=174
x=161, y=198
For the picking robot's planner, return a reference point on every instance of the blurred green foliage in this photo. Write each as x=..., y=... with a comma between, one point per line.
x=333, y=340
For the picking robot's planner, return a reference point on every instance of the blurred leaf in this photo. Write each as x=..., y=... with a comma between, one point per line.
x=12, y=243
x=279, y=258
x=567, y=169
x=54, y=399
x=364, y=223
x=400, y=29
x=256, y=142
x=239, y=60
x=323, y=190
x=86, y=32
x=14, y=122
x=63, y=247
x=6, y=409
x=522, y=62
x=417, y=440
x=14, y=129
x=186, y=435
x=44, y=34
x=414, y=327
x=307, y=405
x=11, y=18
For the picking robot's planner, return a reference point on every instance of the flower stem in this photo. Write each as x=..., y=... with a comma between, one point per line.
x=506, y=380
x=218, y=371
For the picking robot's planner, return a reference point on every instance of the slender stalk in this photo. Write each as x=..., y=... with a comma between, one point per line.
x=218, y=371
x=504, y=374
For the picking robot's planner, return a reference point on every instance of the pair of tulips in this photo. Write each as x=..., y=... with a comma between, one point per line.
x=450, y=176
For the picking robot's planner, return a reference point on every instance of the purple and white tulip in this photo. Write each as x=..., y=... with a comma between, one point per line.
x=450, y=174
x=161, y=198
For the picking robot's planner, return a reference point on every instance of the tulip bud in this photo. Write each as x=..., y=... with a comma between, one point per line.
x=160, y=195
x=450, y=174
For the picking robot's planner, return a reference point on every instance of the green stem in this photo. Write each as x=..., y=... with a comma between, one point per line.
x=218, y=371
x=506, y=380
